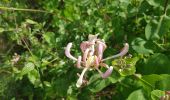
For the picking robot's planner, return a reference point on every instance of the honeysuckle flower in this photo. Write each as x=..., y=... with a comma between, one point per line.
x=15, y=58
x=92, y=57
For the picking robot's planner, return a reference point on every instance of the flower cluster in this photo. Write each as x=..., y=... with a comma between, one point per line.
x=92, y=57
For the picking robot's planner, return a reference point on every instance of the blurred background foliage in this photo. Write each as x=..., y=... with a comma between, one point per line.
x=34, y=33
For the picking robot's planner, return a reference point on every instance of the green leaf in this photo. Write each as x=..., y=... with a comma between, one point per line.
x=1, y=30
x=163, y=84
x=160, y=82
x=98, y=85
x=137, y=95
x=155, y=64
x=49, y=38
x=94, y=78
x=142, y=46
x=151, y=79
x=157, y=94
x=30, y=21
x=33, y=76
x=60, y=85
x=155, y=29
x=71, y=12
x=27, y=68
x=48, y=84
x=156, y=3
x=114, y=77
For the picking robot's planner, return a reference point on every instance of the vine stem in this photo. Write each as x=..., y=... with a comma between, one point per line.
x=33, y=10
x=27, y=47
x=21, y=9
x=165, y=6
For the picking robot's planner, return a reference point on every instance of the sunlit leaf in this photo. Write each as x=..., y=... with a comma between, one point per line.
x=49, y=38
x=156, y=3
x=137, y=95
x=30, y=21
x=27, y=68
x=157, y=94
x=1, y=30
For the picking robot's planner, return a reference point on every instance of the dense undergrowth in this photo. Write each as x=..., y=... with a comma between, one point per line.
x=34, y=34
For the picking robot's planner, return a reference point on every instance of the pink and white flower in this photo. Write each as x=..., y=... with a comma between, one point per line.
x=92, y=57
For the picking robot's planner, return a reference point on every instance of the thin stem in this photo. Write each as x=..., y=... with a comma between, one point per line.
x=22, y=9
x=50, y=61
x=165, y=6
x=159, y=24
x=27, y=47
x=32, y=10
x=9, y=50
x=5, y=71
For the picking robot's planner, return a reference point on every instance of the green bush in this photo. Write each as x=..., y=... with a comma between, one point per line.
x=34, y=34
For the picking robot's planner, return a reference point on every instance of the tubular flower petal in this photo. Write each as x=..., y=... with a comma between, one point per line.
x=122, y=53
x=108, y=72
x=84, y=45
x=80, y=80
x=67, y=52
x=124, y=50
x=100, y=49
x=85, y=55
x=79, y=62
